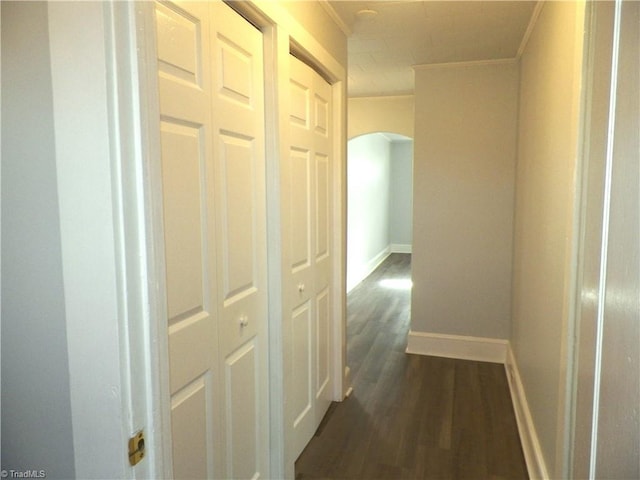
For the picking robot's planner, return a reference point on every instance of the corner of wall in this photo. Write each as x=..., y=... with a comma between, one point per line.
x=532, y=23
x=494, y=351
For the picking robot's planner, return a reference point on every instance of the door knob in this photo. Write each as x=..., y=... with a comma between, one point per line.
x=301, y=287
x=244, y=321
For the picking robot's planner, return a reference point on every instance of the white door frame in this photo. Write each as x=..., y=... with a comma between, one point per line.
x=145, y=351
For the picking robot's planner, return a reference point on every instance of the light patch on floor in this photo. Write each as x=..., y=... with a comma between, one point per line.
x=396, y=283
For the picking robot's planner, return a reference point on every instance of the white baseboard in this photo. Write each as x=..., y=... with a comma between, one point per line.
x=376, y=261
x=536, y=465
x=495, y=351
x=401, y=248
x=370, y=266
x=458, y=346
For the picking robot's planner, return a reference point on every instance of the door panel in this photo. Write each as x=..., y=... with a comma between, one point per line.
x=189, y=420
x=301, y=322
x=300, y=168
x=322, y=206
x=299, y=102
x=210, y=75
x=239, y=171
x=322, y=346
x=306, y=220
x=185, y=132
x=180, y=41
x=323, y=260
x=189, y=339
x=238, y=217
x=321, y=125
x=181, y=150
x=243, y=411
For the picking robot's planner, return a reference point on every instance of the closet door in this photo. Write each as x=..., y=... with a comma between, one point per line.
x=239, y=171
x=307, y=219
x=213, y=179
x=187, y=182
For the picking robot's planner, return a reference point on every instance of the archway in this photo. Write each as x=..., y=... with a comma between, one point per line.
x=379, y=199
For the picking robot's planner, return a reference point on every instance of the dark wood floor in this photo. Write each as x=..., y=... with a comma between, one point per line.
x=411, y=416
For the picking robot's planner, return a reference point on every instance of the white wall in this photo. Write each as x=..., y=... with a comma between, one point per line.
x=381, y=114
x=543, y=233
x=368, y=168
x=401, y=195
x=317, y=22
x=63, y=408
x=464, y=164
x=36, y=404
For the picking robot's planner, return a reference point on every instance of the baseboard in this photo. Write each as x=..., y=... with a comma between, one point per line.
x=457, y=346
x=495, y=351
x=400, y=248
x=536, y=465
x=370, y=266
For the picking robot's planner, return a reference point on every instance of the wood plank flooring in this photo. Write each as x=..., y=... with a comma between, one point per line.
x=411, y=416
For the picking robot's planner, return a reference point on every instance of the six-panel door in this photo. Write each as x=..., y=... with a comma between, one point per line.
x=210, y=71
x=307, y=208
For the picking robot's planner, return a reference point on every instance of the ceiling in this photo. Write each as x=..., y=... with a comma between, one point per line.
x=384, y=46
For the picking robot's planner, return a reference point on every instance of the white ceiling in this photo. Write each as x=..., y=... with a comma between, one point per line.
x=383, y=48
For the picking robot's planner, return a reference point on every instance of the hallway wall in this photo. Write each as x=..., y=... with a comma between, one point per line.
x=368, y=205
x=317, y=22
x=464, y=165
x=36, y=404
x=381, y=114
x=401, y=196
x=550, y=76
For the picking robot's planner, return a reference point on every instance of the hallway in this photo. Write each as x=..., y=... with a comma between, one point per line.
x=411, y=416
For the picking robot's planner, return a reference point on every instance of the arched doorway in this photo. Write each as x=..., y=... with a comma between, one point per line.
x=380, y=201
x=379, y=247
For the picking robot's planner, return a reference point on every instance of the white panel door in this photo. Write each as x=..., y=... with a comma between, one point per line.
x=306, y=200
x=213, y=170
x=239, y=171
x=187, y=182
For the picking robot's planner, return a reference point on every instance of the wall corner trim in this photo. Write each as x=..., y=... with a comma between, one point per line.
x=532, y=23
x=533, y=456
x=481, y=349
x=471, y=63
x=335, y=16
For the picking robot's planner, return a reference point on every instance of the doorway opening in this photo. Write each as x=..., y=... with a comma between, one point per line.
x=379, y=237
x=380, y=202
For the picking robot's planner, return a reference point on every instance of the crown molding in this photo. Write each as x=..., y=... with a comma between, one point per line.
x=473, y=63
x=532, y=23
x=335, y=17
